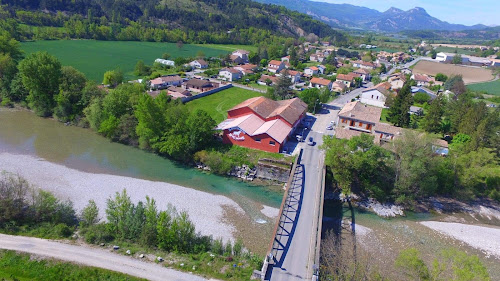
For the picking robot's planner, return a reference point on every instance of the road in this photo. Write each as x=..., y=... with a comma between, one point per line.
x=93, y=257
x=298, y=241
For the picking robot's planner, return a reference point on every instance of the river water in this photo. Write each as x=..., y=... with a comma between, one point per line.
x=22, y=132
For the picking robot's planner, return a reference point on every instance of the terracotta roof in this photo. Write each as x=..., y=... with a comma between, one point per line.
x=273, y=79
x=361, y=71
x=388, y=129
x=385, y=85
x=346, y=133
x=275, y=62
x=166, y=79
x=320, y=81
x=276, y=129
x=199, y=83
x=179, y=90
x=381, y=88
x=313, y=67
x=242, y=51
x=248, y=66
x=252, y=125
x=339, y=85
x=421, y=77
x=365, y=63
x=231, y=69
x=345, y=77
x=356, y=110
x=200, y=61
x=290, y=110
x=294, y=72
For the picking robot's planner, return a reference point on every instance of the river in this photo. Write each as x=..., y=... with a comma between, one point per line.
x=23, y=133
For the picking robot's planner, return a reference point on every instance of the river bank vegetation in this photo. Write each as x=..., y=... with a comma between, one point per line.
x=141, y=228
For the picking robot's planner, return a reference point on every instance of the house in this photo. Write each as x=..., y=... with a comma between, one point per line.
x=397, y=81
x=364, y=74
x=338, y=87
x=311, y=70
x=246, y=68
x=495, y=62
x=164, y=82
x=321, y=83
x=347, y=79
x=364, y=65
x=422, y=79
x=275, y=66
x=198, y=85
x=199, y=64
x=236, y=59
x=321, y=69
x=165, y=62
x=317, y=57
x=178, y=92
x=356, y=118
x=242, y=54
x=264, y=79
x=294, y=75
x=375, y=96
x=261, y=123
x=230, y=74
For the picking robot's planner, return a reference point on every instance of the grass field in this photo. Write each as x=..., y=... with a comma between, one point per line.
x=452, y=50
x=217, y=104
x=492, y=88
x=21, y=267
x=229, y=48
x=93, y=58
x=469, y=74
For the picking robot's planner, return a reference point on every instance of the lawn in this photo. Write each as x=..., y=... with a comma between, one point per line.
x=93, y=58
x=492, y=88
x=229, y=48
x=384, y=115
x=218, y=104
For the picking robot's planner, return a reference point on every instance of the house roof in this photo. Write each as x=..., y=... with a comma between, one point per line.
x=421, y=77
x=200, y=61
x=166, y=79
x=388, y=129
x=273, y=79
x=290, y=110
x=382, y=88
x=252, y=125
x=231, y=69
x=385, y=85
x=321, y=81
x=294, y=72
x=365, y=63
x=275, y=62
x=242, y=52
x=345, y=77
x=440, y=143
x=361, y=71
x=312, y=67
x=248, y=66
x=347, y=133
x=339, y=85
x=199, y=83
x=356, y=110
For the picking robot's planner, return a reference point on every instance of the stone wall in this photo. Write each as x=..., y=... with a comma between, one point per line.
x=273, y=170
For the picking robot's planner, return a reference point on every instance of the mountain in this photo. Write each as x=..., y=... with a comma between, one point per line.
x=243, y=21
x=350, y=16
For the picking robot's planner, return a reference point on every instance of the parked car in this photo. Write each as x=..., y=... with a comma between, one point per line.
x=310, y=141
x=329, y=127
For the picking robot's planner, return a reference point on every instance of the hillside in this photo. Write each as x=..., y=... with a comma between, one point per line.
x=207, y=21
x=350, y=16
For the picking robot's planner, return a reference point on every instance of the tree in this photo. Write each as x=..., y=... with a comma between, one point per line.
x=399, y=112
x=180, y=44
x=90, y=214
x=117, y=211
x=432, y=121
x=457, y=59
x=41, y=74
x=69, y=99
x=294, y=58
x=441, y=77
x=165, y=56
x=433, y=54
x=414, y=267
x=150, y=232
x=200, y=54
x=200, y=128
x=376, y=80
x=142, y=69
x=312, y=98
x=113, y=78
x=421, y=98
x=282, y=87
x=455, y=84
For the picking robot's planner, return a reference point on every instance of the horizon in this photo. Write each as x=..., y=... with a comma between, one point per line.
x=456, y=12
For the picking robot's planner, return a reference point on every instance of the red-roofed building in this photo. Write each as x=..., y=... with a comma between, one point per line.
x=347, y=79
x=275, y=66
x=320, y=83
x=261, y=123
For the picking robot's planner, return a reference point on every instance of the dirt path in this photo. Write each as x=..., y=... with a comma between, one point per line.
x=93, y=257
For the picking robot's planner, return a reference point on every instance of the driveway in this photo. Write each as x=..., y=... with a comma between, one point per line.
x=95, y=257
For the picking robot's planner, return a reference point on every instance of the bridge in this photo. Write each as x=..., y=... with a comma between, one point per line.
x=295, y=247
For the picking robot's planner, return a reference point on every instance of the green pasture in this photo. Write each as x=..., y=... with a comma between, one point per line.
x=217, y=104
x=492, y=88
x=96, y=57
x=452, y=50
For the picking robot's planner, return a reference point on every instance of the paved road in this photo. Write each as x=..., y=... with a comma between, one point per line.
x=299, y=235
x=93, y=257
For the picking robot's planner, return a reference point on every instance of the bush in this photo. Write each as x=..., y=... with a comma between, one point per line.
x=99, y=233
x=7, y=102
x=421, y=98
x=63, y=230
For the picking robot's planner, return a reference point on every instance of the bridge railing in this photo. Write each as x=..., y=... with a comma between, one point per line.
x=319, y=224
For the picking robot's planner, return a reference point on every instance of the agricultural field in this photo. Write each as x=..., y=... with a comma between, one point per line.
x=469, y=74
x=452, y=50
x=492, y=88
x=217, y=104
x=229, y=48
x=93, y=58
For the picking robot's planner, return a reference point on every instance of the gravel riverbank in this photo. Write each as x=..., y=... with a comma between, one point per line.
x=205, y=209
x=486, y=239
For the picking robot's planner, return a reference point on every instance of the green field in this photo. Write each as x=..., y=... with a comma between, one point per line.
x=96, y=57
x=452, y=50
x=217, y=104
x=492, y=88
x=229, y=47
x=21, y=267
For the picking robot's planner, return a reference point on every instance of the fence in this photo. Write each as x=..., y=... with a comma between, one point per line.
x=207, y=93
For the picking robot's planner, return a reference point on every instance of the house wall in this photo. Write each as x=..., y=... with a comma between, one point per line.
x=374, y=98
x=207, y=93
x=354, y=124
x=251, y=142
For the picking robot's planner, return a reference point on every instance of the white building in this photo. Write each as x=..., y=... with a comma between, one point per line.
x=230, y=74
x=375, y=96
x=165, y=62
x=199, y=64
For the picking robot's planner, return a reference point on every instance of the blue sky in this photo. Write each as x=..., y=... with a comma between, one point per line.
x=468, y=12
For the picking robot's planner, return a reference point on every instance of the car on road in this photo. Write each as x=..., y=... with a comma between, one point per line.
x=310, y=141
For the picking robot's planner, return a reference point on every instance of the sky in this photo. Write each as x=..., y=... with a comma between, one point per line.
x=468, y=12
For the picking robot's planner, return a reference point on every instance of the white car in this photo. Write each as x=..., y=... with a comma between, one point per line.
x=310, y=141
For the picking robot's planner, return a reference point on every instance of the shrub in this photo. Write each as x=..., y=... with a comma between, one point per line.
x=63, y=230
x=421, y=98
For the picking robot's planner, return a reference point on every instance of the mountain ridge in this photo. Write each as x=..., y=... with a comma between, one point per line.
x=357, y=17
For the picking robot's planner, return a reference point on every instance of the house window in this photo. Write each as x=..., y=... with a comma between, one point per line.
x=377, y=97
x=372, y=97
x=272, y=143
x=257, y=140
x=360, y=124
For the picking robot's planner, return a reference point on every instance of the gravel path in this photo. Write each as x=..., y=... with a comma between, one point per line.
x=93, y=257
x=486, y=239
x=205, y=209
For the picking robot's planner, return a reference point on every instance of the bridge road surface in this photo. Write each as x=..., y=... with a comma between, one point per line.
x=94, y=257
x=295, y=259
